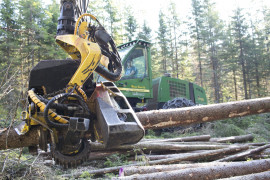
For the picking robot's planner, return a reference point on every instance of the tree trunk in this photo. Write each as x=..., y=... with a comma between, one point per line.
x=166, y=161
x=235, y=85
x=180, y=139
x=259, y=176
x=244, y=154
x=160, y=147
x=209, y=173
x=184, y=116
x=233, y=139
x=10, y=139
x=167, y=118
x=171, y=167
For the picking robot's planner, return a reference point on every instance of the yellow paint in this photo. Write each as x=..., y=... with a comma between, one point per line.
x=134, y=89
x=89, y=53
x=140, y=87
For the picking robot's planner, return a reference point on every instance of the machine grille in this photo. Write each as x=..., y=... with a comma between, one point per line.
x=177, y=89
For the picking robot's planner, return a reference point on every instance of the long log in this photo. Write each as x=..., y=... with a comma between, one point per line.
x=165, y=161
x=161, y=147
x=244, y=154
x=128, y=171
x=259, y=176
x=234, y=139
x=180, y=139
x=10, y=139
x=209, y=173
x=198, y=114
x=166, y=118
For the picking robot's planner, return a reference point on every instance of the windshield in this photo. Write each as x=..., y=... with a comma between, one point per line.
x=135, y=64
x=124, y=52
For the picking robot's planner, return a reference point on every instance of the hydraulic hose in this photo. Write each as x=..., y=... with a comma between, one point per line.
x=54, y=105
x=111, y=76
x=42, y=107
x=48, y=112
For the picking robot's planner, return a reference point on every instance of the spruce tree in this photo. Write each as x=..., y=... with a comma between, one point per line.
x=145, y=33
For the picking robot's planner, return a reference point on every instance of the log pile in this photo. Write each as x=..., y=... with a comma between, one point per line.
x=197, y=157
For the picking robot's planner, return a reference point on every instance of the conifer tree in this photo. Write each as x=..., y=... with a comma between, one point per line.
x=163, y=41
x=130, y=25
x=145, y=33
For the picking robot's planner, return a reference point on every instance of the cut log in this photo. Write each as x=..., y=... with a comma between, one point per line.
x=244, y=154
x=166, y=161
x=234, y=139
x=256, y=176
x=180, y=139
x=203, y=155
x=161, y=168
x=166, y=118
x=13, y=140
x=199, y=114
x=209, y=173
x=160, y=147
x=165, y=156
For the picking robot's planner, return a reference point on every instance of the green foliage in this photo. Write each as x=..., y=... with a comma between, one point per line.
x=116, y=160
x=86, y=175
x=227, y=129
x=130, y=24
x=145, y=33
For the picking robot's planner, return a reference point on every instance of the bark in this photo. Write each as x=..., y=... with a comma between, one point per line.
x=166, y=161
x=198, y=114
x=158, y=157
x=244, y=154
x=234, y=139
x=166, y=118
x=181, y=139
x=12, y=140
x=160, y=147
x=203, y=155
x=209, y=173
x=161, y=168
x=256, y=176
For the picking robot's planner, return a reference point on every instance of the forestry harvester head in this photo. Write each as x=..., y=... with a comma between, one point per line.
x=67, y=104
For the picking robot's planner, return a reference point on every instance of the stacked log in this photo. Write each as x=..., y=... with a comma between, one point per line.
x=181, y=158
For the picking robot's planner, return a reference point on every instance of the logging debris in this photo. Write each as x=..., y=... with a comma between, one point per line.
x=176, y=159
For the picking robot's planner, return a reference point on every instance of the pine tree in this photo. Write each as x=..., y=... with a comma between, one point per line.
x=112, y=19
x=50, y=50
x=240, y=31
x=213, y=34
x=130, y=25
x=9, y=33
x=145, y=33
x=198, y=14
x=163, y=41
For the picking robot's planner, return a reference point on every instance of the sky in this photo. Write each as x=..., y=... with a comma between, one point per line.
x=149, y=9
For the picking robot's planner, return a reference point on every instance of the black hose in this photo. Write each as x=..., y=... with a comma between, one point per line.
x=46, y=112
x=51, y=102
x=57, y=106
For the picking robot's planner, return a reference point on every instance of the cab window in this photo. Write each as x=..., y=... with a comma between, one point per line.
x=135, y=64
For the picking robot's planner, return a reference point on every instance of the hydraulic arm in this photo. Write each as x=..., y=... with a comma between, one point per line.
x=67, y=104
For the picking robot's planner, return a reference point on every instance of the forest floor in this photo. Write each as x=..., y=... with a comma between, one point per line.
x=19, y=164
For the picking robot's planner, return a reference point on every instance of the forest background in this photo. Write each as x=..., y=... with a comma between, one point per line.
x=229, y=57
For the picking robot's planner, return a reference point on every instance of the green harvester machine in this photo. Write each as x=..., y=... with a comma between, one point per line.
x=160, y=93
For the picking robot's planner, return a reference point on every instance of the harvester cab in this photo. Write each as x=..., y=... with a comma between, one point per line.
x=136, y=57
x=65, y=102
